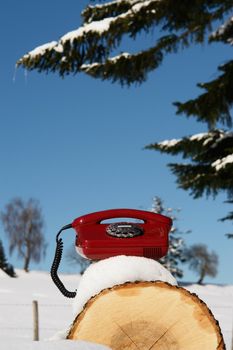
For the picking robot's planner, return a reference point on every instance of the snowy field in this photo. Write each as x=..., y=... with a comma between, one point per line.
x=56, y=313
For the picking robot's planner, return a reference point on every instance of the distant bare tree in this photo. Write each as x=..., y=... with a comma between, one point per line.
x=201, y=261
x=75, y=259
x=23, y=224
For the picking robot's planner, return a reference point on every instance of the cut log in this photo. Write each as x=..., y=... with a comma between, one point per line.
x=148, y=316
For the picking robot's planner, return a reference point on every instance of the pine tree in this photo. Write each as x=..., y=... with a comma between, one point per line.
x=92, y=49
x=3, y=260
x=89, y=48
x=177, y=249
x=211, y=164
x=228, y=217
x=4, y=265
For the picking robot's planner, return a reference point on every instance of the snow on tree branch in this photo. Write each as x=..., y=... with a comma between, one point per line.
x=112, y=67
x=88, y=67
x=187, y=145
x=41, y=50
x=113, y=8
x=221, y=163
x=98, y=27
x=103, y=29
x=211, y=162
x=224, y=32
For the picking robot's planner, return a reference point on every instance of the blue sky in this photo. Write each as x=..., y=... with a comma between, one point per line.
x=76, y=144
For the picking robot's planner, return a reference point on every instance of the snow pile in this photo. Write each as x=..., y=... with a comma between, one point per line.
x=117, y=270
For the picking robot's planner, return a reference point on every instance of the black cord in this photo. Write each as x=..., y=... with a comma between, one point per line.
x=56, y=263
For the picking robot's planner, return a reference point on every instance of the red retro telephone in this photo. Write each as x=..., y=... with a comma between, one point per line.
x=96, y=240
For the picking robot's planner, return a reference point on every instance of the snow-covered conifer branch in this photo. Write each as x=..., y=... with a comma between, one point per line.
x=223, y=162
x=224, y=32
x=211, y=158
x=112, y=67
x=88, y=43
x=212, y=107
x=109, y=9
x=189, y=146
x=102, y=31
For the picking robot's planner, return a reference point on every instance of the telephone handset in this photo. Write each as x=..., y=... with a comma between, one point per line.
x=98, y=217
x=97, y=239
x=91, y=224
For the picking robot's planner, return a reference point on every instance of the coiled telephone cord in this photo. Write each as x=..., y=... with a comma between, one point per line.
x=56, y=263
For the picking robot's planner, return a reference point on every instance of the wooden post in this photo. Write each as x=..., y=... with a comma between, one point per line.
x=232, y=337
x=35, y=314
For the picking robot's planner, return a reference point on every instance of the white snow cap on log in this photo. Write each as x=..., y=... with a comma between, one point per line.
x=117, y=270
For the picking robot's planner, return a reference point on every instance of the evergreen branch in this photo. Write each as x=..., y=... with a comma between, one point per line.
x=224, y=33
x=229, y=235
x=200, y=147
x=211, y=162
x=198, y=179
x=110, y=9
x=228, y=217
x=173, y=18
x=214, y=105
x=94, y=41
x=90, y=43
x=137, y=66
x=70, y=56
x=202, y=179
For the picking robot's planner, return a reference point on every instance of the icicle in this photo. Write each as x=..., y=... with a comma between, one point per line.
x=14, y=75
x=26, y=75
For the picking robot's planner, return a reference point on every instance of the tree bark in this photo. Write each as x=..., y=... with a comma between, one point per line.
x=26, y=264
x=148, y=316
x=27, y=258
x=203, y=273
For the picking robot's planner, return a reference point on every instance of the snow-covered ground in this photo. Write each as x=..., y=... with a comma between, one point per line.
x=56, y=313
x=219, y=299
